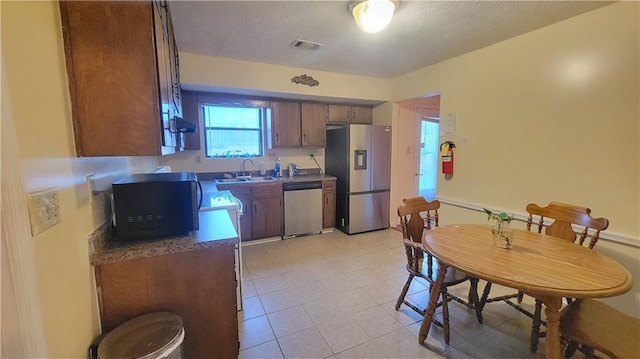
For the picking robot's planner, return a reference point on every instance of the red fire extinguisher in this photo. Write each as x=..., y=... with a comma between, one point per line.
x=446, y=152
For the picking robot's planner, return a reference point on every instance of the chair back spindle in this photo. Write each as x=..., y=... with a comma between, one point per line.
x=565, y=217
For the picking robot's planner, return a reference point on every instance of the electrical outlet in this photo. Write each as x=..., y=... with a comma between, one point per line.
x=198, y=160
x=44, y=210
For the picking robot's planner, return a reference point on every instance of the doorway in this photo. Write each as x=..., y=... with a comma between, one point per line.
x=426, y=156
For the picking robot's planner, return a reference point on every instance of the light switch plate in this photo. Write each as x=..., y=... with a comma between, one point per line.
x=44, y=210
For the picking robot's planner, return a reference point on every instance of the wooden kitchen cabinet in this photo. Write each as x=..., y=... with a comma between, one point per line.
x=339, y=114
x=199, y=286
x=122, y=65
x=313, y=123
x=350, y=114
x=262, y=215
x=267, y=211
x=362, y=115
x=329, y=203
x=295, y=124
x=285, y=127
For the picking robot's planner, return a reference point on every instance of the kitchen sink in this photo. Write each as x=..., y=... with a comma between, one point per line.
x=230, y=180
x=245, y=179
x=268, y=178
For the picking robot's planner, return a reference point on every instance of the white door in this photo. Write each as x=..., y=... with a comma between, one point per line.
x=426, y=154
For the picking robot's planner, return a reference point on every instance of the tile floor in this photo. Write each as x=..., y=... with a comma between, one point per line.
x=333, y=296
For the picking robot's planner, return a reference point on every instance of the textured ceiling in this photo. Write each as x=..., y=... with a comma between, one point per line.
x=421, y=33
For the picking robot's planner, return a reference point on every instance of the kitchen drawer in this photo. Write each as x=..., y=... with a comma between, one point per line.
x=329, y=185
x=272, y=190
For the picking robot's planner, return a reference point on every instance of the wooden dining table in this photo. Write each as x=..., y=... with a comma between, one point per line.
x=544, y=267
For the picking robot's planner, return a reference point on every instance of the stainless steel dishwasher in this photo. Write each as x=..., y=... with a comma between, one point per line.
x=302, y=208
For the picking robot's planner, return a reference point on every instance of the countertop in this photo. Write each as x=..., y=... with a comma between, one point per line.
x=208, y=183
x=215, y=228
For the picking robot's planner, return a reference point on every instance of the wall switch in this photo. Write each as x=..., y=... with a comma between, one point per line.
x=44, y=210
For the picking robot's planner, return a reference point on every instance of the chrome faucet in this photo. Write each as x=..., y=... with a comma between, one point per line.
x=243, y=162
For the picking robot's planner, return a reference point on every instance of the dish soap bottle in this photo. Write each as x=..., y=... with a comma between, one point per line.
x=277, y=168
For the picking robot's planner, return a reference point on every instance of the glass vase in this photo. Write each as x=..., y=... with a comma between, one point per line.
x=502, y=234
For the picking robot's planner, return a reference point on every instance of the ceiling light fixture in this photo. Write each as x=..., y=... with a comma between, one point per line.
x=372, y=15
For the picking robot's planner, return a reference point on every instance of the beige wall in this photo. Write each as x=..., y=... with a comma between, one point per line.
x=36, y=82
x=562, y=100
x=383, y=114
x=220, y=74
x=552, y=115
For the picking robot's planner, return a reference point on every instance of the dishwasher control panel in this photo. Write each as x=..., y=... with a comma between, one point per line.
x=299, y=186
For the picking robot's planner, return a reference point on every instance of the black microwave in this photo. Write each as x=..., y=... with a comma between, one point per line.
x=154, y=205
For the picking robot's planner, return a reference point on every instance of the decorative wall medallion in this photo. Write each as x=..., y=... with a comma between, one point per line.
x=305, y=80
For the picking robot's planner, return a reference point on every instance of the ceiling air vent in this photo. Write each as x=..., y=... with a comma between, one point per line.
x=306, y=44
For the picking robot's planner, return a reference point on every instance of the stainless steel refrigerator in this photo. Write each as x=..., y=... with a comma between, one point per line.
x=360, y=157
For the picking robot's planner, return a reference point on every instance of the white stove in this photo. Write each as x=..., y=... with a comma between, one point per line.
x=225, y=200
x=220, y=200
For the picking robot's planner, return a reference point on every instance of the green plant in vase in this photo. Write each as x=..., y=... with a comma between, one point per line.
x=502, y=231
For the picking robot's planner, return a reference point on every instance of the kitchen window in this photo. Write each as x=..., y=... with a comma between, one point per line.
x=234, y=131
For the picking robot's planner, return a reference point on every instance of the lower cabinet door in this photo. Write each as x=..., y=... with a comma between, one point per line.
x=267, y=218
x=329, y=209
x=199, y=286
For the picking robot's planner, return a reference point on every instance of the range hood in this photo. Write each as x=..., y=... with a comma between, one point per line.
x=184, y=125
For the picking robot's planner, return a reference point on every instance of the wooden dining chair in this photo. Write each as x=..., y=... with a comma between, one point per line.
x=591, y=324
x=570, y=222
x=416, y=216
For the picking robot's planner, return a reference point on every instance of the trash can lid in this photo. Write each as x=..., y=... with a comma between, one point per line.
x=153, y=335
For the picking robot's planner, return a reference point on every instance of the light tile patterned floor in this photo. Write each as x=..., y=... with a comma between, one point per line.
x=333, y=296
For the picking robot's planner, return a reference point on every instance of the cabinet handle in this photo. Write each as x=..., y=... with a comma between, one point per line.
x=277, y=137
x=304, y=138
x=255, y=209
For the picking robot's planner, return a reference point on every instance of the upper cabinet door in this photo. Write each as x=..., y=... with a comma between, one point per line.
x=119, y=66
x=286, y=130
x=175, y=67
x=350, y=114
x=339, y=114
x=362, y=115
x=163, y=56
x=314, y=118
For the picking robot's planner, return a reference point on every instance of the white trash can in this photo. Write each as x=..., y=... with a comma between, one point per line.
x=150, y=336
